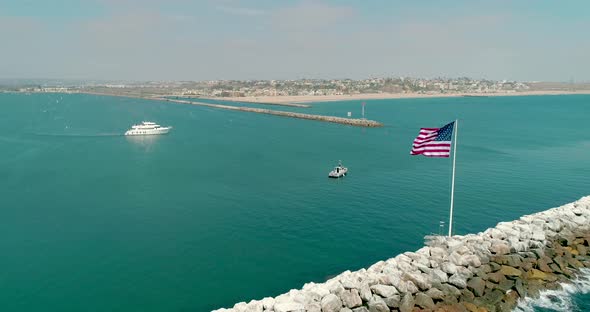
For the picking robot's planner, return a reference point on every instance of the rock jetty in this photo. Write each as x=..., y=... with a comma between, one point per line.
x=252, y=101
x=333, y=119
x=488, y=271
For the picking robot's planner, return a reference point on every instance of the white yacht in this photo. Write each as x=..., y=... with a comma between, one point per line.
x=339, y=171
x=147, y=128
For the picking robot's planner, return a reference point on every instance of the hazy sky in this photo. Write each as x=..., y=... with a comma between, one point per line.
x=289, y=39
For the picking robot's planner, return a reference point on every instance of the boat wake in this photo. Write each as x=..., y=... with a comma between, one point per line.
x=558, y=300
x=79, y=135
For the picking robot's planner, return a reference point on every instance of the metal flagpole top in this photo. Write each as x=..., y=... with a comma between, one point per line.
x=455, y=130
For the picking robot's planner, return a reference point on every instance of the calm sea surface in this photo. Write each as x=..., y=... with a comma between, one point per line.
x=234, y=206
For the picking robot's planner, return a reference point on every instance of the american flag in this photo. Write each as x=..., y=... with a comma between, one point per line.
x=433, y=142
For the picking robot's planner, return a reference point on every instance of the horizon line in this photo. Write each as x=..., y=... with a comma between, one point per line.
x=571, y=81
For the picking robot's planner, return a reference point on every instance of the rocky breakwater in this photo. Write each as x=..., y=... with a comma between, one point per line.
x=333, y=119
x=488, y=271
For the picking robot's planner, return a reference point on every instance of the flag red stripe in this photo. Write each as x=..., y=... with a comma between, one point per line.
x=430, y=151
x=426, y=137
x=432, y=143
x=422, y=131
x=435, y=143
x=416, y=142
x=431, y=148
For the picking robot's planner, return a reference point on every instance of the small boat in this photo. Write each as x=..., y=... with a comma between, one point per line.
x=147, y=128
x=339, y=171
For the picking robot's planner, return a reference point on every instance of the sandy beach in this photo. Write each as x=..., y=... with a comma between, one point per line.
x=375, y=96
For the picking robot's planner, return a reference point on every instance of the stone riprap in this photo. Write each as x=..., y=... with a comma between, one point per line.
x=488, y=271
x=346, y=121
x=248, y=100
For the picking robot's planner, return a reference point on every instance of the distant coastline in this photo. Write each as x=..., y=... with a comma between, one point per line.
x=285, y=99
x=301, y=92
x=303, y=101
x=248, y=100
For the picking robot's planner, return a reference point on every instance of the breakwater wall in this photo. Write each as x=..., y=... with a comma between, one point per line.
x=333, y=119
x=248, y=100
x=488, y=271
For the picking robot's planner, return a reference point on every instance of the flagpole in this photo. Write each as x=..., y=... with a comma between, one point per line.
x=453, y=178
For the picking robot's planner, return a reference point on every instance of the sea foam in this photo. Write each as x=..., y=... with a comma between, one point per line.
x=558, y=300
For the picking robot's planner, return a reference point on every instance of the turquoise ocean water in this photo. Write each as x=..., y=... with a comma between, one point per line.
x=234, y=206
